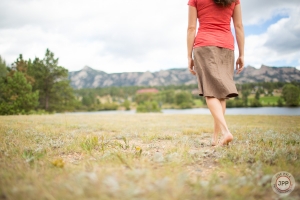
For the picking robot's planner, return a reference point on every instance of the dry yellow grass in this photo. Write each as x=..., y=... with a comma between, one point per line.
x=144, y=156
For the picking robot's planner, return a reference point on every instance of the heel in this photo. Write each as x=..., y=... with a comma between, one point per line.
x=226, y=140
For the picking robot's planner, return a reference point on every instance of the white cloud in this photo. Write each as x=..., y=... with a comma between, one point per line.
x=280, y=43
x=284, y=36
x=124, y=35
x=108, y=35
x=258, y=11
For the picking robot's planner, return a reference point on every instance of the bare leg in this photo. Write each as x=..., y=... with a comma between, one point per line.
x=217, y=109
x=217, y=129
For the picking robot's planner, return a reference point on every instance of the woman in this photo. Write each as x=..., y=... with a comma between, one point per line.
x=213, y=52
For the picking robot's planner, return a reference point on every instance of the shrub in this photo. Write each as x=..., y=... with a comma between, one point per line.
x=255, y=103
x=186, y=105
x=290, y=94
x=280, y=102
x=239, y=103
x=109, y=106
x=184, y=100
x=230, y=103
x=126, y=104
x=148, y=106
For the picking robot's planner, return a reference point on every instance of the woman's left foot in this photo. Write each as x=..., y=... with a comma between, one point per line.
x=214, y=143
x=214, y=139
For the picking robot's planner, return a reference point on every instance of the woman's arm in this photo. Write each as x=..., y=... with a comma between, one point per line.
x=240, y=36
x=191, y=31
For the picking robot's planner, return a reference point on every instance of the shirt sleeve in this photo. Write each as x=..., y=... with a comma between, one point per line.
x=193, y=3
x=237, y=2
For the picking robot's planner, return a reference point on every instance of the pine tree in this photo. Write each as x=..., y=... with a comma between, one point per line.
x=21, y=65
x=52, y=83
x=16, y=95
x=3, y=68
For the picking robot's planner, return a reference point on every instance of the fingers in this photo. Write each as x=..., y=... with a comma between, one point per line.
x=192, y=71
x=191, y=67
x=240, y=69
x=239, y=65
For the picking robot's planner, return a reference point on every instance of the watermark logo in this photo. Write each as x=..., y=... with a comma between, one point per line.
x=283, y=183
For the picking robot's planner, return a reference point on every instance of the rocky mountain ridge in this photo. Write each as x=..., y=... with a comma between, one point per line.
x=91, y=78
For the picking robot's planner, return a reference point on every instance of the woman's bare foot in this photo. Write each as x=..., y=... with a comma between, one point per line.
x=214, y=140
x=226, y=139
x=213, y=143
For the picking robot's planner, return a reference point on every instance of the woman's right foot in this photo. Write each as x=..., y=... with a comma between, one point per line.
x=226, y=139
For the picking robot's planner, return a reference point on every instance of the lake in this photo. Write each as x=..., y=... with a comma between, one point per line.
x=205, y=111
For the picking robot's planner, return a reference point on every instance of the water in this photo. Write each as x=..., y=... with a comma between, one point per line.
x=205, y=111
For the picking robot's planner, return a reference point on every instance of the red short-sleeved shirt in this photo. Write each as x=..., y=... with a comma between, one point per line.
x=214, y=24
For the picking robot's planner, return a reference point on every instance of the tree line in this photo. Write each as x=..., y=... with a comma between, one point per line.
x=42, y=86
x=180, y=96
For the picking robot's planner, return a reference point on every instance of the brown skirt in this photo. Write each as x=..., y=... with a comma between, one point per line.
x=215, y=67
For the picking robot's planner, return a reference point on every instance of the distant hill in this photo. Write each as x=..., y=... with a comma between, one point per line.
x=91, y=78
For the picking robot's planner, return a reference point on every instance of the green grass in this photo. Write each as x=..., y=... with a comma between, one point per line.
x=269, y=100
x=198, y=103
x=144, y=156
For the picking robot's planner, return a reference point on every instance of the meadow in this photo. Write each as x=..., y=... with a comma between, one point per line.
x=269, y=100
x=144, y=156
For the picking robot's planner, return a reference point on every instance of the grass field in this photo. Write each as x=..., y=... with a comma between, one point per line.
x=198, y=103
x=144, y=156
x=269, y=100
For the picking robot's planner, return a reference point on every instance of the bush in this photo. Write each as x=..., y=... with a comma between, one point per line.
x=239, y=103
x=255, y=103
x=279, y=102
x=291, y=94
x=230, y=103
x=109, y=106
x=144, y=97
x=126, y=104
x=38, y=112
x=184, y=100
x=186, y=105
x=148, y=106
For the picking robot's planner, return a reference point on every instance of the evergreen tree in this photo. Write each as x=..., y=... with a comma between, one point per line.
x=21, y=65
x=63, y=96
x=3, y=68
x=52, y=83
x=16, y=95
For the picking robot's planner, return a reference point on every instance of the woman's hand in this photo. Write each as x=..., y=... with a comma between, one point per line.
x=191, y=66
x=239, y=64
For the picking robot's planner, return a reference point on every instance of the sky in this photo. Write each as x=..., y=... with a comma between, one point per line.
x=137, y=35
